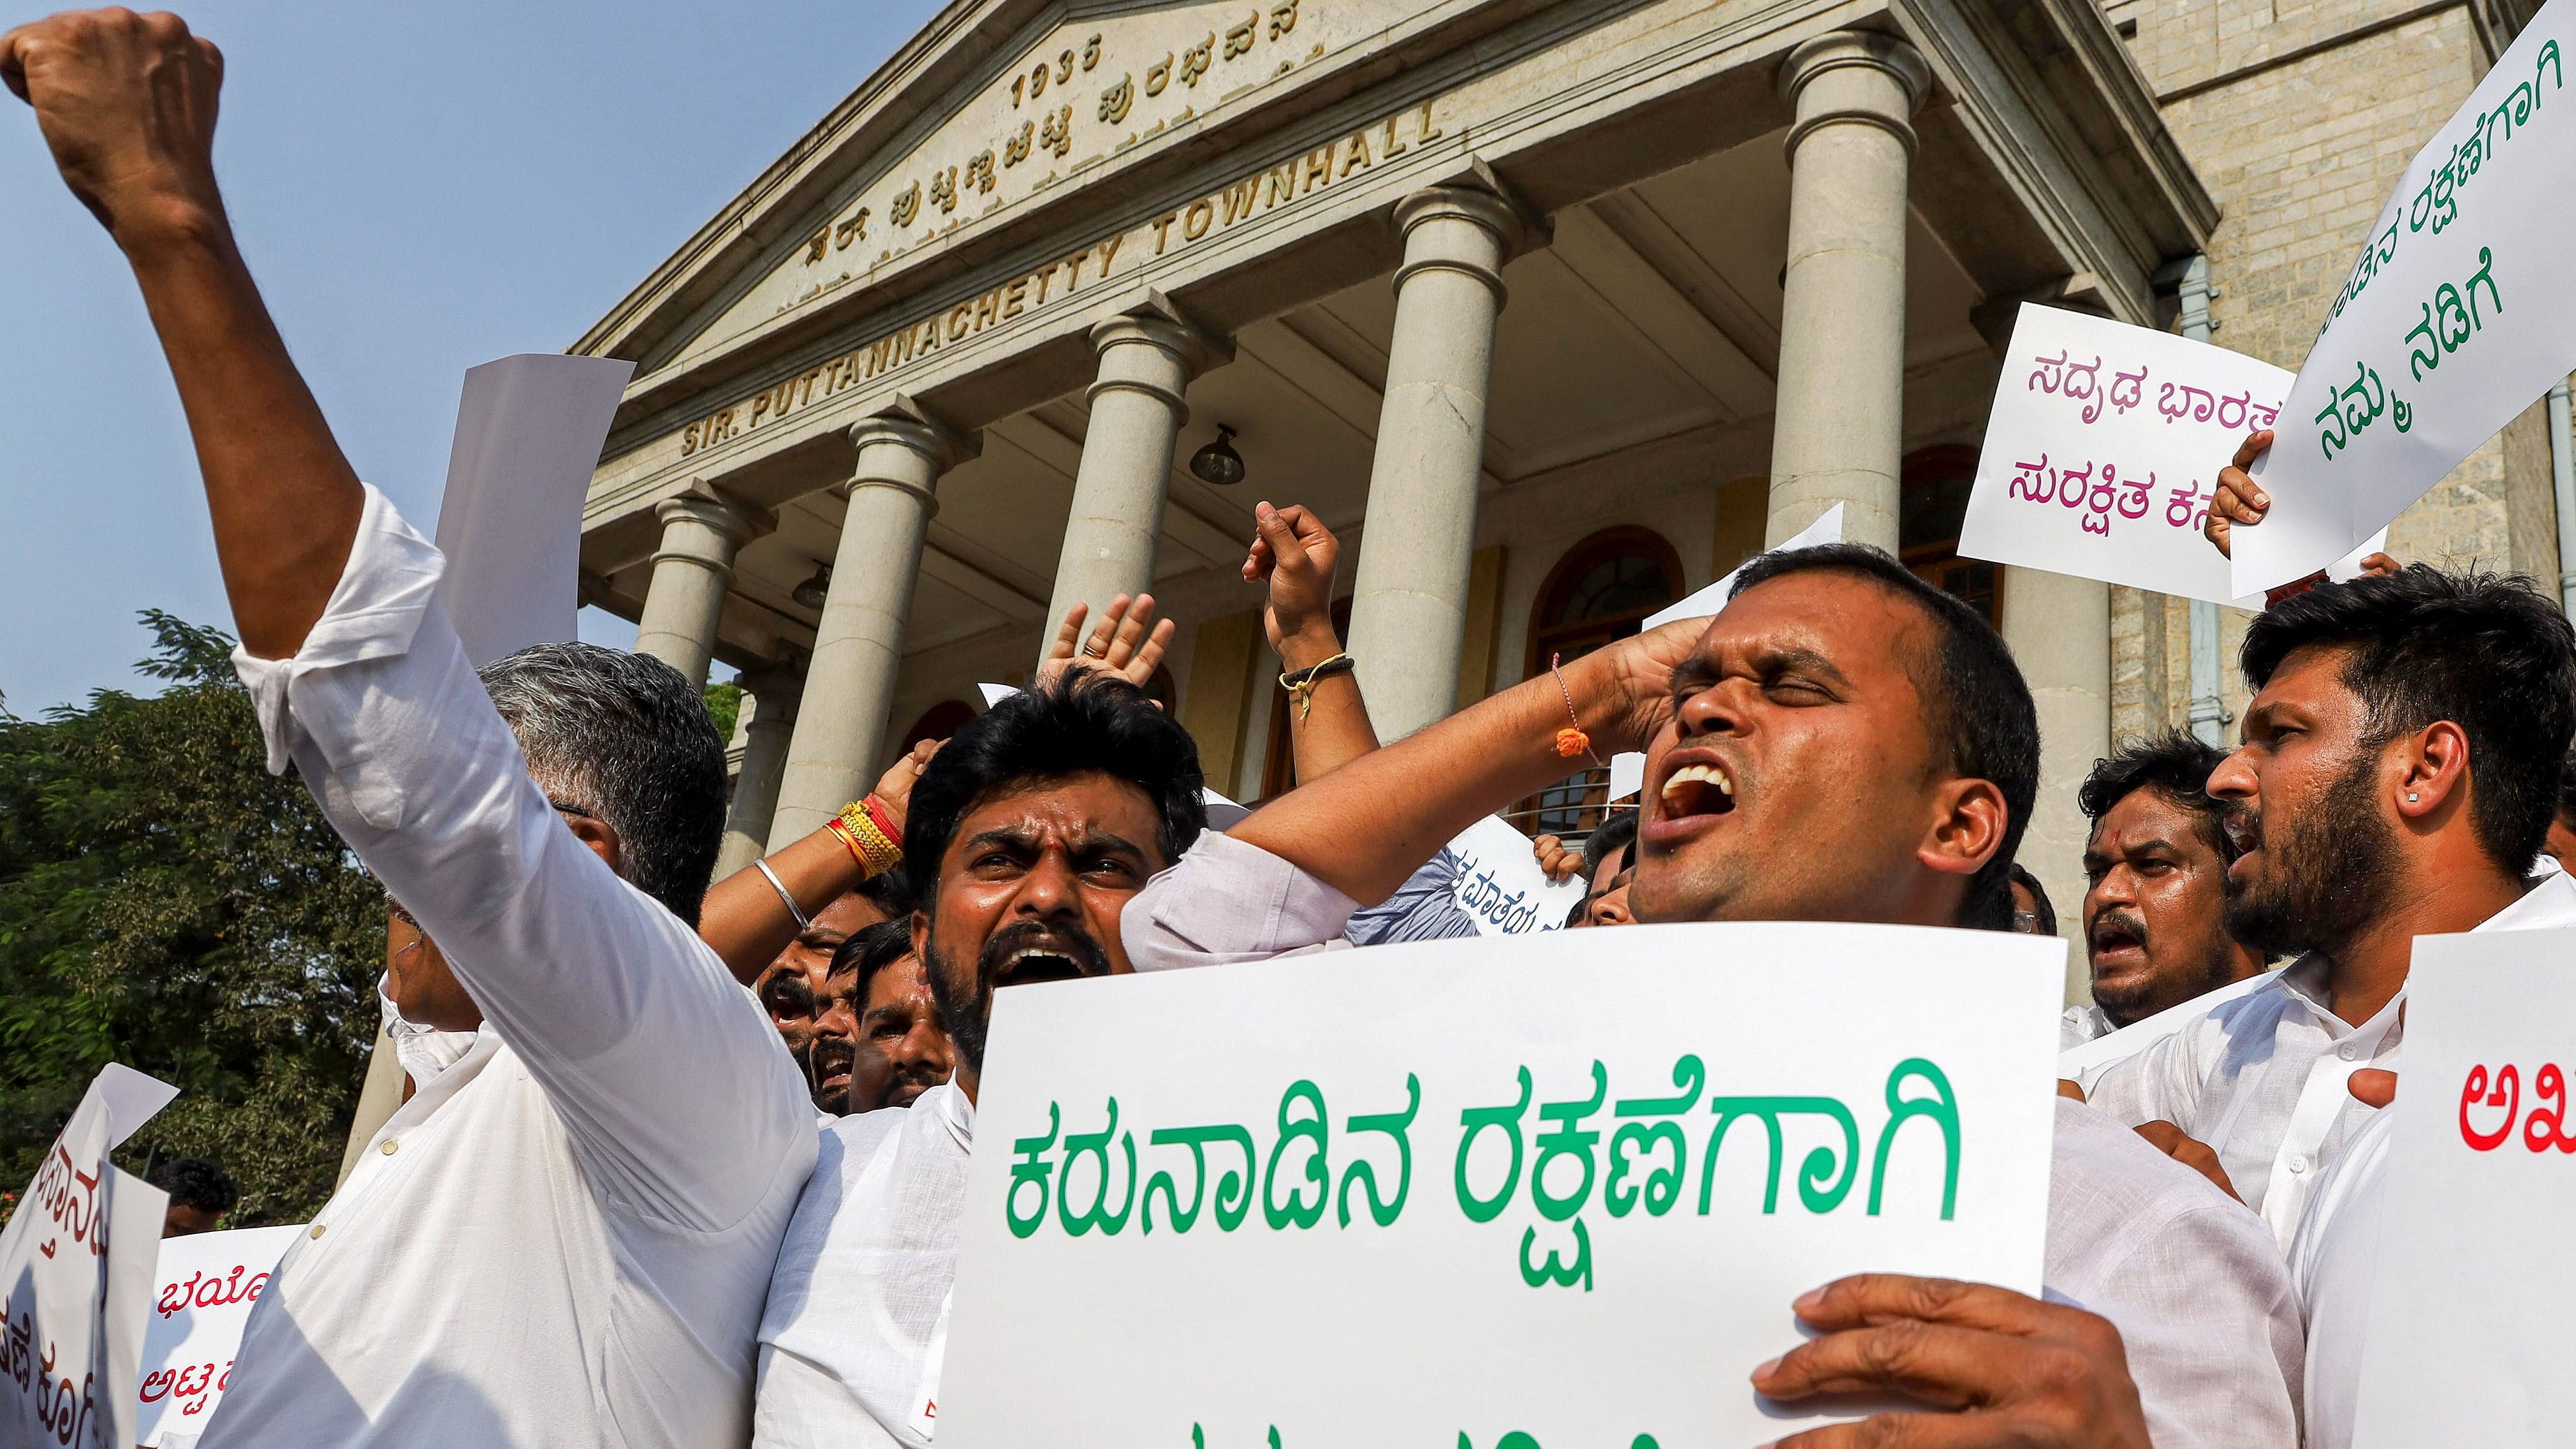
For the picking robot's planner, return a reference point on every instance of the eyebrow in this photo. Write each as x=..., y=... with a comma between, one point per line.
x=1018, y=838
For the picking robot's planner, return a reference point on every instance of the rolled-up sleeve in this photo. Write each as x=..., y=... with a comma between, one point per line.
x=1228, y=902
x=664, y=1071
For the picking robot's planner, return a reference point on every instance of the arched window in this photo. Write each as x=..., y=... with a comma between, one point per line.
x=1600, y=591
x=936, y=723
x=1932, y=503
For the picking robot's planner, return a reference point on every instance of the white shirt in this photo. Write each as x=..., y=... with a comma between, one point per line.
x=2261, y=1079
x=2333, y=1261
x=563, y=1237
x=852, y=1340
x=2189, y=1277
x=2081, y=1023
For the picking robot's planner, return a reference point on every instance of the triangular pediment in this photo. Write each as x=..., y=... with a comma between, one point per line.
x=997, y=108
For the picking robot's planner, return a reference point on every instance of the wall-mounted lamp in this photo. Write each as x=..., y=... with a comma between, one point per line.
x=811, y=593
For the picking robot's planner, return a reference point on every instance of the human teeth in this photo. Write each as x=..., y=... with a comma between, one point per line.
x=1681, y=785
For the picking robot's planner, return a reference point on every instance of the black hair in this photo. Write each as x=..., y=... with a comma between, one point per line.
x=196, y=1182
x=871, y=949
x=1084, y=722
x=623, y=738
x=2567, y=791
x=1616, y=831
x=2173, y=764
x=2041, y=911
x=890, y=891
x=1975, y=702
x=2485, y=651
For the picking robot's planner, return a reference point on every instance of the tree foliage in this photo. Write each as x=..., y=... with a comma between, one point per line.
x=167, y=903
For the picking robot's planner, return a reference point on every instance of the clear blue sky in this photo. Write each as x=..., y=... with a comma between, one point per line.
x=419, y=187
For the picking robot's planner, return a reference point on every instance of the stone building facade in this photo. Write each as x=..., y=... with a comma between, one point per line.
x=1555, y=311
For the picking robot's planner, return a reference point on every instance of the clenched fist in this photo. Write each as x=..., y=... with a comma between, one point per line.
x=127, y=104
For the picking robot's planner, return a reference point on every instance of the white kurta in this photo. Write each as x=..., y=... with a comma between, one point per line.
x=2195, y=1285
x=2262, y=1079
x=851, y=1344
x=564, y=1237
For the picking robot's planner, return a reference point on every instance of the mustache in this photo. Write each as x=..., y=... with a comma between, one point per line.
x=2126, y=922
x=830, y=1054
x=1072, y=942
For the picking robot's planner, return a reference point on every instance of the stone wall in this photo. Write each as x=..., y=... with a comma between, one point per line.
x=2300, y=116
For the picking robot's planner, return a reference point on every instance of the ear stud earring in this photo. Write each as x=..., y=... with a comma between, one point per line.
x=2412, y=797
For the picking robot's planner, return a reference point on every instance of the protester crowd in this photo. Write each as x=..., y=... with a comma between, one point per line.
x=616, y=1071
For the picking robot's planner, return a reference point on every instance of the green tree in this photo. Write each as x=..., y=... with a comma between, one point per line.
x=167, y=903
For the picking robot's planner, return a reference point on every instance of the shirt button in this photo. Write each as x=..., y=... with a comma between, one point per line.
x=2346, y=1053
x=388, y=1148
x=317, y=1230
x=2298, y=1164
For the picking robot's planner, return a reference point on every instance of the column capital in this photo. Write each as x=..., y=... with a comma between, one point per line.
x=1471, y=223
x=700, y=503
x=1860, y=76
x=1153, y=321
x=900, y=444
x=777, y=686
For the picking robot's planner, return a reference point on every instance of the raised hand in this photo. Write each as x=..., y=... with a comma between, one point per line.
x=1555, y=861
x=127, y=104
x=1297, y=554
x=2240, y=499
x=894, y=787
x=1123, y=643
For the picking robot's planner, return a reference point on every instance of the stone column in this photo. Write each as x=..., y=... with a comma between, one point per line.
x=1838, y=427
x=2059, y=628
x=1409, y=599
x=770, y=696
x=849, y=682
x=701, y=532
x=1147, y=357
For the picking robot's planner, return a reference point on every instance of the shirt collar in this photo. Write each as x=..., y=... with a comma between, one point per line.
x=2547, y=904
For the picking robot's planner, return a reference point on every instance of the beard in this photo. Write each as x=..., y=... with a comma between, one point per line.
x=2124, y=1004
x=2330, y=872
x=828, y=1056
x=965, y=998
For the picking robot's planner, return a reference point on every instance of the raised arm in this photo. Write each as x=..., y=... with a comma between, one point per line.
x=745, y=917
x=1328, y=725
x=127, y=103
x=1366, y=826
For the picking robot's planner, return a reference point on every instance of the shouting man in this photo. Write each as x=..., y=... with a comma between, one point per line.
x=2155, y=897
x=560, y=1238
x=1842, y=742
x=878, y=1041
x=1027, y=835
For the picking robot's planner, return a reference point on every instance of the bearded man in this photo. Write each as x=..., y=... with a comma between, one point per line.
x=1027, y=835
x=2399, y=772
x=2155, y=871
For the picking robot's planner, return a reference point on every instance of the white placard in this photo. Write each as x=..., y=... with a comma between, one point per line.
x=528, y=434
x=2457, y=314
x=1501, y=887
x=2468, y=1343
x=208, y=1282
x=2103, y=448
x=1704, y=603
x=1452, y=1192
x=76, y=1277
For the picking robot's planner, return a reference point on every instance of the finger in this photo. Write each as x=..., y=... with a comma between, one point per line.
x=1149, y=655
x=1279, y=535
x=2252, y=448
x=2379, y=565
x=2373, y=1086
x=1069, y=631
x=214, y=57
x=13, y=62
x=1097, y=646
x=1865, y=1298
x=1131, y=628
x=1899, y=1431
x=1943, y=1365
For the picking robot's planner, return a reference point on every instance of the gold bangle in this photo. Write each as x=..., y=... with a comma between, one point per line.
x=875, y=852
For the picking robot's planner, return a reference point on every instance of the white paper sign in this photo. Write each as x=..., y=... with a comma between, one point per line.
x=76, y=1278
x=2458, y=313
x=1451, y=1193
x=2103, y=448
x=528, y=434
x=2467, y=1342
x=1628, y=768
x=208, y=1282
x=1500, y=886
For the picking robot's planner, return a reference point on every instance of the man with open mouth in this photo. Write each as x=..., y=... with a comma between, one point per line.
x=878, y=1038
x=2155, y=867
x=1842, y=742
x=1026, y=837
